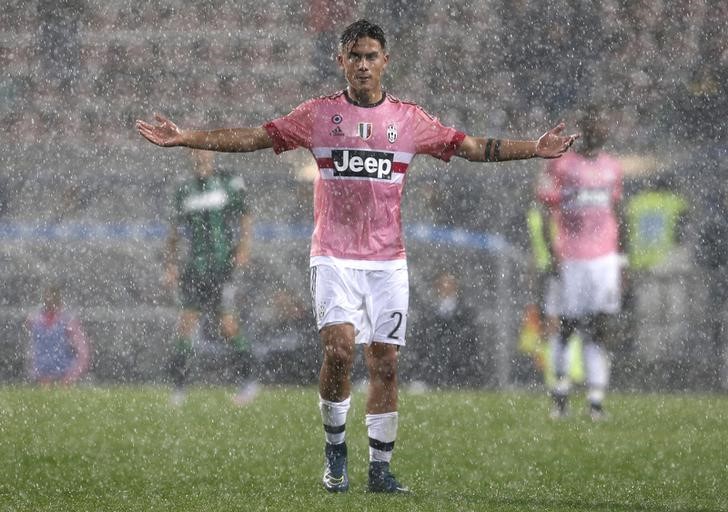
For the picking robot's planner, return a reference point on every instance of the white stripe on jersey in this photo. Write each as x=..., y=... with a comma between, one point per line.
x=399, y=156
x=328, y=174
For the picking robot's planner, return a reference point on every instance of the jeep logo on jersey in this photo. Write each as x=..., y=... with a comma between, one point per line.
x=361, y=163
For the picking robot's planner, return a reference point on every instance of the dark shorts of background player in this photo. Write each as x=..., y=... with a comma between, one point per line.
x=203, y=291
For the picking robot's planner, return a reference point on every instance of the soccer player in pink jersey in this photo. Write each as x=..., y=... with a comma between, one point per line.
x=364, y=140
x=582, y=190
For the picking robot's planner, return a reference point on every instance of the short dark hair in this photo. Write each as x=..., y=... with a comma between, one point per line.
x=362, y=28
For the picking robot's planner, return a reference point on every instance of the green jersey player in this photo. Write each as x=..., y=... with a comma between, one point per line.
x=210, y=212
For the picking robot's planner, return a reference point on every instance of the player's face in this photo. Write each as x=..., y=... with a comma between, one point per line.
x=594, y=138
x=594, y=133
x=52, y=299
x=363, y=63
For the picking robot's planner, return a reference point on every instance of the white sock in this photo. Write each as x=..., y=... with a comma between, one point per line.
x=595, y=396
x=333, y=415
x=382, y=431
x=560, y=361
x=597, y=371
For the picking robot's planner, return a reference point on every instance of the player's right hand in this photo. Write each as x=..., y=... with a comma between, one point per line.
x=165, y=134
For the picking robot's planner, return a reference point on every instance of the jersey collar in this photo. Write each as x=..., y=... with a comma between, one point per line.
x=348, y=98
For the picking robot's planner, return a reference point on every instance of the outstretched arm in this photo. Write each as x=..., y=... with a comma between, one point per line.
x=551, y=144
x=234, y=140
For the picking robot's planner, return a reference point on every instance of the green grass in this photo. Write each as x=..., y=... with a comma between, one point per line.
x=126, y=448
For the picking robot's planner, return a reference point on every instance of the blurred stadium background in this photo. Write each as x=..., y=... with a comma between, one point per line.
x=83, y=199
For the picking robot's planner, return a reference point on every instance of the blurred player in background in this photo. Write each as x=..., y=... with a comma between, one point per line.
x=364, y=140
x=58, y=349
x=210, y=211
x=582, y=191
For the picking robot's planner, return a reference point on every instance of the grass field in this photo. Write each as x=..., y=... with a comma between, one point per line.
x=126, y=448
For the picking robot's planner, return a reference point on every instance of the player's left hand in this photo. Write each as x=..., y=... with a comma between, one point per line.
x=553, y=144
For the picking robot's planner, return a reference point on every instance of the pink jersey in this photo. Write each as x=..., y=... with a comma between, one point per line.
x=582, y=194
x=363, y=154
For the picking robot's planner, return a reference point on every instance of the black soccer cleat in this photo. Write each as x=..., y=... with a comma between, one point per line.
x=596, y=412
x=382, y=480
x=336, y=477
x=560, y=407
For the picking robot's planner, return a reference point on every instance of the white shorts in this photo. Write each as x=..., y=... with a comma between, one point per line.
x=375, y=302
x=589, y=287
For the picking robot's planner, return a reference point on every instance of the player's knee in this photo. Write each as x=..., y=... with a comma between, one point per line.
x=338, y=345
x=598, y=326
x=228, y=326
x=567, y=326
x=550, y=326
x=383, y=371
x=188, y=322
x=382, y=364
x=243, y=364
x=338, y=354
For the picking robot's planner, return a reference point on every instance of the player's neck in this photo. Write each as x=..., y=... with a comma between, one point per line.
x=591, y=154
x=365, y=98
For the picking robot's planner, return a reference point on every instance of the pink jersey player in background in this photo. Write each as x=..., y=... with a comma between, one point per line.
x=363, y=140
x=582, y=191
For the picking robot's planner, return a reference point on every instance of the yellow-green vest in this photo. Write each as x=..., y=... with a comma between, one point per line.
x=539, y=246
x=652, y=218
